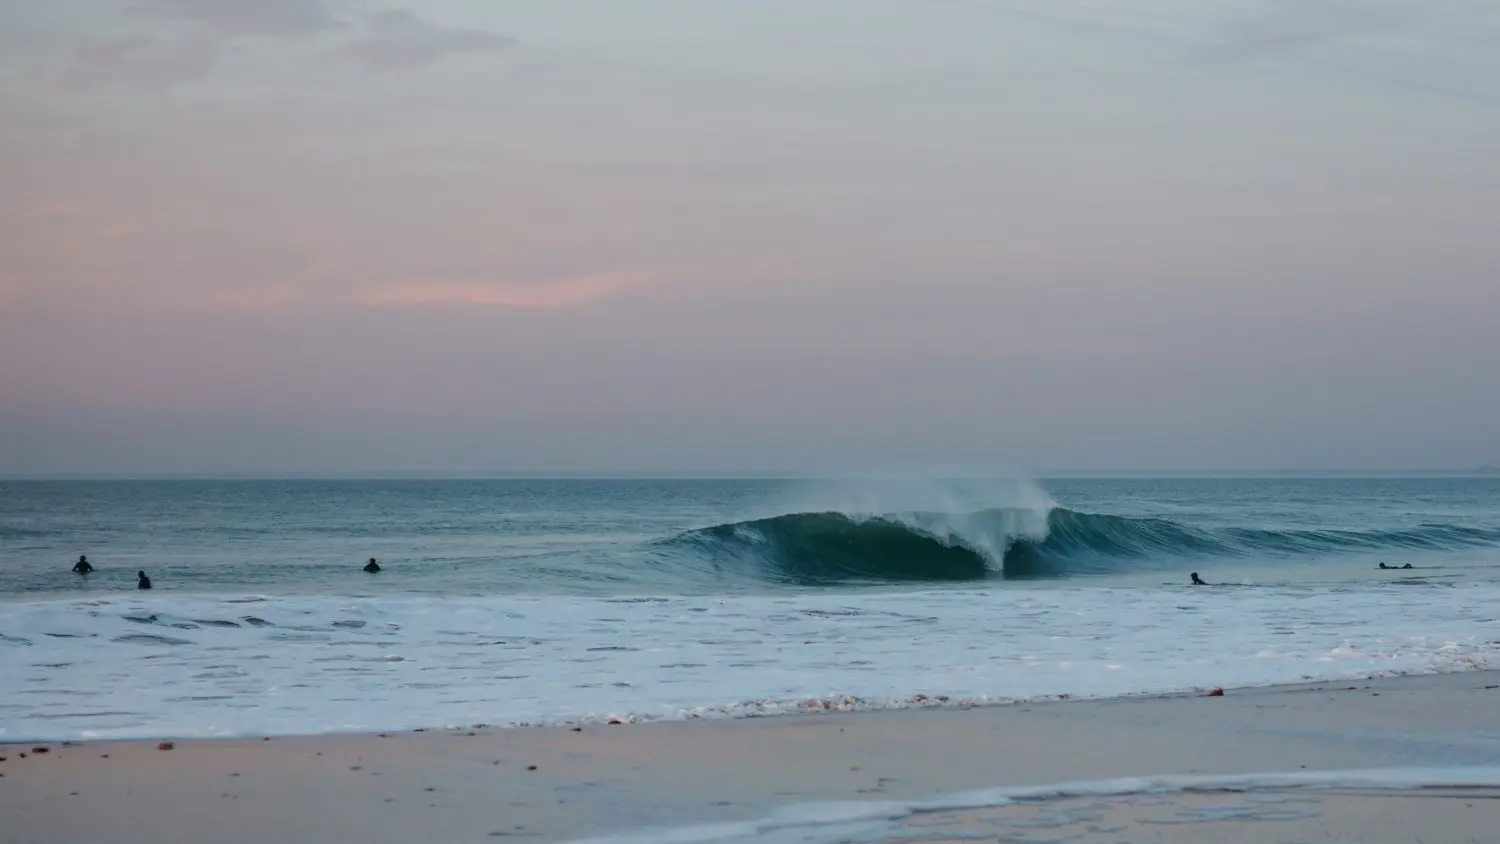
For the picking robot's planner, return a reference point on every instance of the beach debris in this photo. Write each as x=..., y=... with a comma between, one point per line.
x=1492, y=687
x=577, y=729
x=1215, y=692
x=531, y=767
x=39, y=750
x=615, y=719
x=842, y=703
x=166, y=745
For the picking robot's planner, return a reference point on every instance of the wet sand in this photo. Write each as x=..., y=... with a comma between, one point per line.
x=558, y=784
x=1257, y=817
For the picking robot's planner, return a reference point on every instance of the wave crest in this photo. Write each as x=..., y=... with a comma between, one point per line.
x=1015, y=543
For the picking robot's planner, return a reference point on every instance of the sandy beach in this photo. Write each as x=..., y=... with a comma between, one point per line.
x=561, y=784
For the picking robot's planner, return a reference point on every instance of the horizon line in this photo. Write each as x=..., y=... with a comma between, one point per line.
x=727, y=474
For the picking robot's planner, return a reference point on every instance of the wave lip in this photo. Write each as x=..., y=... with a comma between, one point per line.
x=825, y=548
x=830, y=547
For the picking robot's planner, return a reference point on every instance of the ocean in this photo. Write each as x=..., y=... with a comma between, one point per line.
x=507, y=602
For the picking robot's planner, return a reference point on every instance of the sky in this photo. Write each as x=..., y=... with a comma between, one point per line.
x=707, y=235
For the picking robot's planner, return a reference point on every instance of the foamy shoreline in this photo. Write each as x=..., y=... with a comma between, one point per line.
x=163, y=665
x=559, y=783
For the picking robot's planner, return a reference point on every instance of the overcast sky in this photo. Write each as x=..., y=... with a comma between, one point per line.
x=815, y=235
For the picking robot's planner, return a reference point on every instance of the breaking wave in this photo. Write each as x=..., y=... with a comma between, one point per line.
x=832, y=547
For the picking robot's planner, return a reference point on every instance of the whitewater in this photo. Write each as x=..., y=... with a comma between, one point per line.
x=520, y=602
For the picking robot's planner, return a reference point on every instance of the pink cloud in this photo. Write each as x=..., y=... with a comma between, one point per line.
x=569, y=293
x=308, y=291
x=53, y=209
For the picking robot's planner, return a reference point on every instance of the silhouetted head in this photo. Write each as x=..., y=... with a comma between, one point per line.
x=1384, y=566
x=141, y=575
x=372, y=559
x=83, y=558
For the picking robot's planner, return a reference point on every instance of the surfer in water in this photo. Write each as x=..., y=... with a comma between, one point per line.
x=83, y=566
x=372, y=566
x=1198, y=581
x=1384, y=566
x=142, y=581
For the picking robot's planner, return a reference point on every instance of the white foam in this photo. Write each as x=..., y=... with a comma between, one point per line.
x=812, y=823
x=341, y=664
